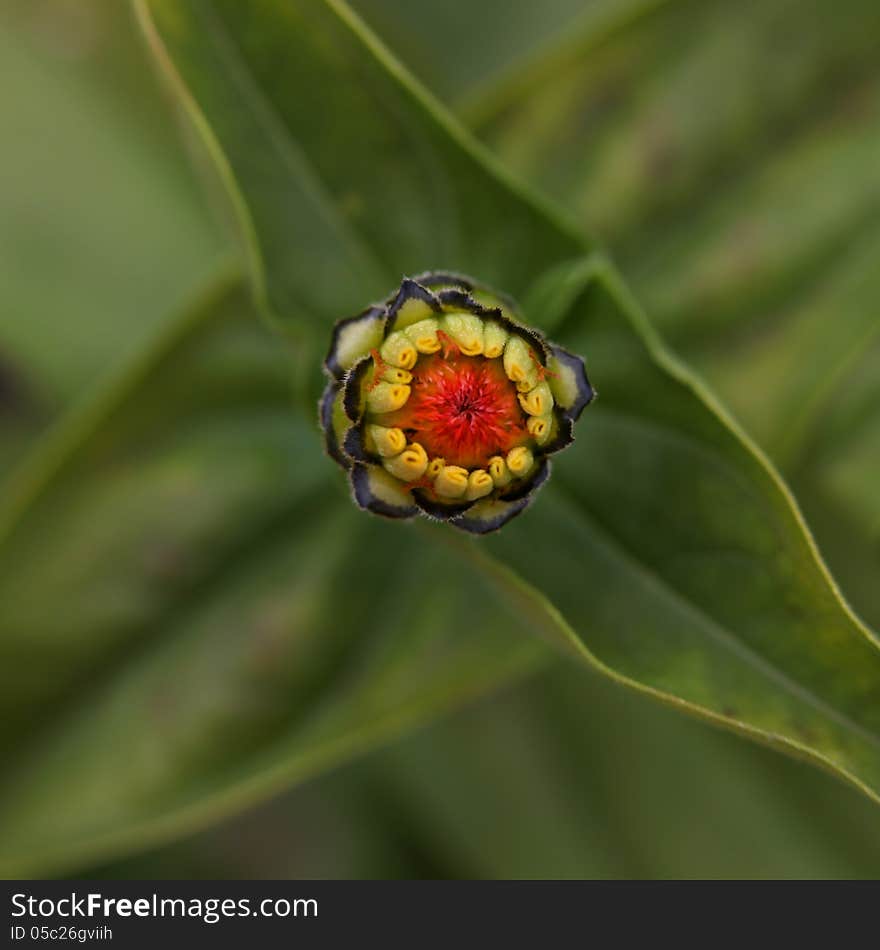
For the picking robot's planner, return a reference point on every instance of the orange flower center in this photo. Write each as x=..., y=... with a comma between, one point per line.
x=463, y=409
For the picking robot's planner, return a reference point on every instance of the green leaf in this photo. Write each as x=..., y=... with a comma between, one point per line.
x=98, y=202
x=456, y=48
x=835, y=475
x=613, y=784
x=623, y=788
x=692, y=590
x=672, y=555
x=338, y=211
x=736, y=174
x=195, y=615
x=728, y=154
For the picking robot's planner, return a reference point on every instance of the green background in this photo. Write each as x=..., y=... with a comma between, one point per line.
x=727, y=155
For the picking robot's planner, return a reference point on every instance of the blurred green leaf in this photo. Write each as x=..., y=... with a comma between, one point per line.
x=623, y=789
x=836, y=472
x=650, y=131
x=457, y=49
x=195, y=616
x=102, y=227
x=666, y=540
x=547, y=779
x=728, y=151
x=338, y=211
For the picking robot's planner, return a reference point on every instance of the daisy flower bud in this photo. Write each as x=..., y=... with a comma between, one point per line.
x=445, y=405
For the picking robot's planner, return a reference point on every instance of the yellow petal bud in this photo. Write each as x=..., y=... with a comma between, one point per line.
x=410, y=465
x=452, y=482
x=519, y=460
x=385, y=442
x=466, y=330
x=499, y=471
x=399, y=350
x=518, y=364
x=387, y=397
x=479, y=484
x=435, y=466
x=392, y=374
x=494, y=339
x=424, y=335
x=537, y=401
x=540, y=427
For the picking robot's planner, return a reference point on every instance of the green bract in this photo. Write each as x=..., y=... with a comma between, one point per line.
x=441, y=403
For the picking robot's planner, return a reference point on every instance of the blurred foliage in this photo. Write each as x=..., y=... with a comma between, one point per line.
x=102, y=224
x=543, y=781
x=700, y=141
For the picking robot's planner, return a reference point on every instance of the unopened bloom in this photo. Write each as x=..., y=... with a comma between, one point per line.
x=440, y=402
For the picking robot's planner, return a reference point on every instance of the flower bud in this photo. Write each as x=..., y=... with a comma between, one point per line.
x=440, y=402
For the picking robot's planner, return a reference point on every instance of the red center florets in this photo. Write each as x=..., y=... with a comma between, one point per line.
x=463, y=409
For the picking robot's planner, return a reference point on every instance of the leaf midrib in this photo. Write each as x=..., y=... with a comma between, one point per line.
x=291, y=155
